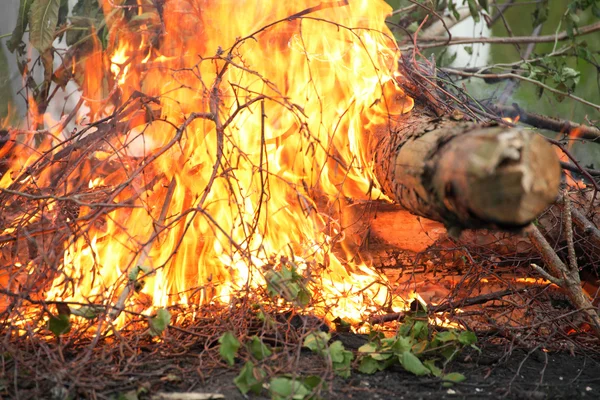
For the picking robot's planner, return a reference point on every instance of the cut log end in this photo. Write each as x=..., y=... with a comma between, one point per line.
x=506, y=177
x=466, y=175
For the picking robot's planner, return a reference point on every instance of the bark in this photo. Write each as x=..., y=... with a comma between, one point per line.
x=463, y=174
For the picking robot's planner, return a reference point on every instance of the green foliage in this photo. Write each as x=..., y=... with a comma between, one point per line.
x=250, y=378
x=229, y=346
x=16, y=40
x=288, y=284
x=159, y=322
x=416, y=348
x=86, y=20
x=335, y=353
x=138, y=283
x=258, y=349
x=282, y=388
x=60, y=324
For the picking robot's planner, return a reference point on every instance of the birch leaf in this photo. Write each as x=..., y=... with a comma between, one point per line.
x=42, y=23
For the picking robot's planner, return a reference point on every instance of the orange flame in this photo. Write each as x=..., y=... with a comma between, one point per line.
x=268, y=104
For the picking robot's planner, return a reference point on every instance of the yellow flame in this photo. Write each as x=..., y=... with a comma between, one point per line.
x=285, y=94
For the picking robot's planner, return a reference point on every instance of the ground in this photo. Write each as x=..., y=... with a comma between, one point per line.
x=496, y=373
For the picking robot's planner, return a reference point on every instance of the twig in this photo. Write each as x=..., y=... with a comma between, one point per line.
x=554, y=124
x=564, y=35
x=574, y=168
x=523, y=78
x=449, y=305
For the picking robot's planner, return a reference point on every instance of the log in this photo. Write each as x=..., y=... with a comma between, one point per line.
x=464, y=174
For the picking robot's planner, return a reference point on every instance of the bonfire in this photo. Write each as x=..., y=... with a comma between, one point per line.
x=222, y=169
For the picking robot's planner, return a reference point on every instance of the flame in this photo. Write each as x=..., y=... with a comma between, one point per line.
x=258, y=129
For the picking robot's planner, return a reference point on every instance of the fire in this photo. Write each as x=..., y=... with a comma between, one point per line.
x=255, y=133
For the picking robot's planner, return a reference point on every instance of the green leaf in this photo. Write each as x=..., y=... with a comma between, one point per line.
x=229, y=346
x=312, y=381
x=446, y=336
x=484, y=4
x=250, y=378
x=368, y=365
x=60, y=324
x=402, y=344
x=411, y=363
x=468, y=49
x=473, y=10
x=336, y=351
x=285, y=388
x=159, y=323
x=453, y=10
x=258, y=349
x=467, y=338
x=430, y=364
x=368, y=347
x=317, y=341
x=42, y=23
x=341, y=359
x=453, y=377
x=419, y=330
x=22, y=22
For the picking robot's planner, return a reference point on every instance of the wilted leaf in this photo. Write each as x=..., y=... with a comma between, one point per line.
x=42, y=23
x=229, y=346
x=411, y=363
x=419, y=347
x=22, y=22
x=250, y=378
x=133, y=274
x=159, y=323
x=59, y=325
x=87, y=18
x=87, y=312
x=286, y=388
x=258, y=349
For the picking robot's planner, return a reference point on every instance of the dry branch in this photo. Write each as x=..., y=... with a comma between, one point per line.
x=451, y=305
x=564, y=275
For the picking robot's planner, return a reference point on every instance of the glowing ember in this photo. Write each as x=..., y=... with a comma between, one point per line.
x=259, y=109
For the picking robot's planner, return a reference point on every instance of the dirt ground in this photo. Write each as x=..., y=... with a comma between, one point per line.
x=496, y=373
